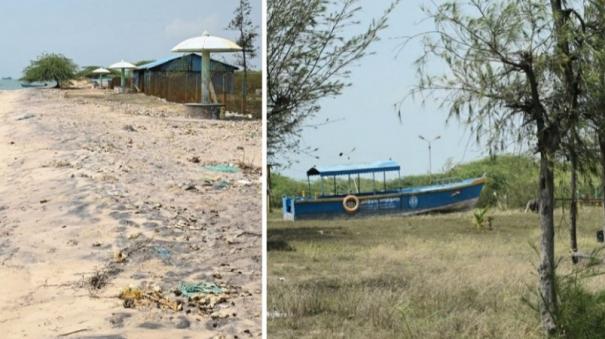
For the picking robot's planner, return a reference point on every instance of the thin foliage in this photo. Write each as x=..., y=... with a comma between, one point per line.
x=309, y=54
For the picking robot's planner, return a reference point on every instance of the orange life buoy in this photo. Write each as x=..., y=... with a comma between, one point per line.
x=347, y=201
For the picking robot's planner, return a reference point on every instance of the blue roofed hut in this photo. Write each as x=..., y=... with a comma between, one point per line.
x=177, y=78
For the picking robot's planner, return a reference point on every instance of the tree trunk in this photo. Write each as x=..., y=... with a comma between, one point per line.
x=270, y=205
x=546, y=269
x=244, y=82
x=58, y=85
x=602, y=158
x=573, y=208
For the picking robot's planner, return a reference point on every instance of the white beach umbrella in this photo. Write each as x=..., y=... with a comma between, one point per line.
x=123, y=66
x=100, y=72
x=205, y=44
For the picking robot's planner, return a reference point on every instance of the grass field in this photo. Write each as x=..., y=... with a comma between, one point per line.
x=432, y=276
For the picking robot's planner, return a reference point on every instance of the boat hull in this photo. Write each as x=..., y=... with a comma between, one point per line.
x=452, y=197
x=37, y=85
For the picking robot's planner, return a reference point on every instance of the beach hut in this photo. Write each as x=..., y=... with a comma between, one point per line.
x=122, y=66
x=205, y=45
x=176, y=78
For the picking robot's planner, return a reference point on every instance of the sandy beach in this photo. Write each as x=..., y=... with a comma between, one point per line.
x=100, y=193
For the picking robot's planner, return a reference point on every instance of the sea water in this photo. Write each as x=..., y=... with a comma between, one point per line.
x=9, y=84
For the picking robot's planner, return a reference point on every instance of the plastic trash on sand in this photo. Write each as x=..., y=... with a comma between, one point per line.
x=204, y=287
x=221, y=184
x=223, y=168
x=163, y=252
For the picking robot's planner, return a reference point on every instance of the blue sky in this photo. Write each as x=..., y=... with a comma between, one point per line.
x=364, y=115
x=101, y=32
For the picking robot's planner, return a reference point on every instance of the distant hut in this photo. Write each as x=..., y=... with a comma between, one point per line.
x=177, y=78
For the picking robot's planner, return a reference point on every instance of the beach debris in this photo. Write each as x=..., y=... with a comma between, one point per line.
x=130, y=295
x=194, y=159
x=204, y=287
x=163, y=252
x=117, y=319
x=43, y=201
x=222, y=168
x=135, y=235
x=183, y=322
x=244, y=182
x=129, y=128
x=25, y=116
x=221, y=184
x=133, y=296
x=96, y=244
x=73, y=332
x=58, y=164
x=119, y=256
x=189, y=187
x=249, y=168
x=98, y=280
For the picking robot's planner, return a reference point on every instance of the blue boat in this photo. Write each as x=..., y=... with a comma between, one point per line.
x=441, y=197
x=34, y=85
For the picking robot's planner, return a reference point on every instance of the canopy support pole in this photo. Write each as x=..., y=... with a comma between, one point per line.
x=374, y=182
x=205, y=77
x=321, y=185
x=334, y=178
x=349, y=182
x=123, y=81
x=309, y=182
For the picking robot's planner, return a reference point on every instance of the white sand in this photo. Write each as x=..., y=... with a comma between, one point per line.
x=77, y=184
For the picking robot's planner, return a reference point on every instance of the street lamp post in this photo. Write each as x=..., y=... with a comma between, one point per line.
x=429, y=142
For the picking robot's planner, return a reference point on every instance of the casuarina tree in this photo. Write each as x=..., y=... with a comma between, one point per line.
x=248, y=32
x=510, y=75
x=309, y=49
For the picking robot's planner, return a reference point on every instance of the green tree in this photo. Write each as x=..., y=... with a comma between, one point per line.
x=48, y=67
x=248, y=32
x=594, y=81
x=511, y=72
x=309, y=49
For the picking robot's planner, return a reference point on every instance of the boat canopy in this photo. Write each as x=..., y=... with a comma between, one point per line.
x=370, y=167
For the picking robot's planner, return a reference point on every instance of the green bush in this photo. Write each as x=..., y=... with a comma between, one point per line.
x=581, y=313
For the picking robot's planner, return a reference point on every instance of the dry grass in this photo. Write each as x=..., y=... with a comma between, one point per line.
x=416, y=277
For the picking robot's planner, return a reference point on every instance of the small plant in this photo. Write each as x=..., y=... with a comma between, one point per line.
x=481, y=220
x=580, y=311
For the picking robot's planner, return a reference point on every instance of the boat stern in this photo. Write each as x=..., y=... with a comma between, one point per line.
x=288, y=208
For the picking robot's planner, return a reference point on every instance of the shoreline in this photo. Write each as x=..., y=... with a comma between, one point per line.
x=86, y=177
